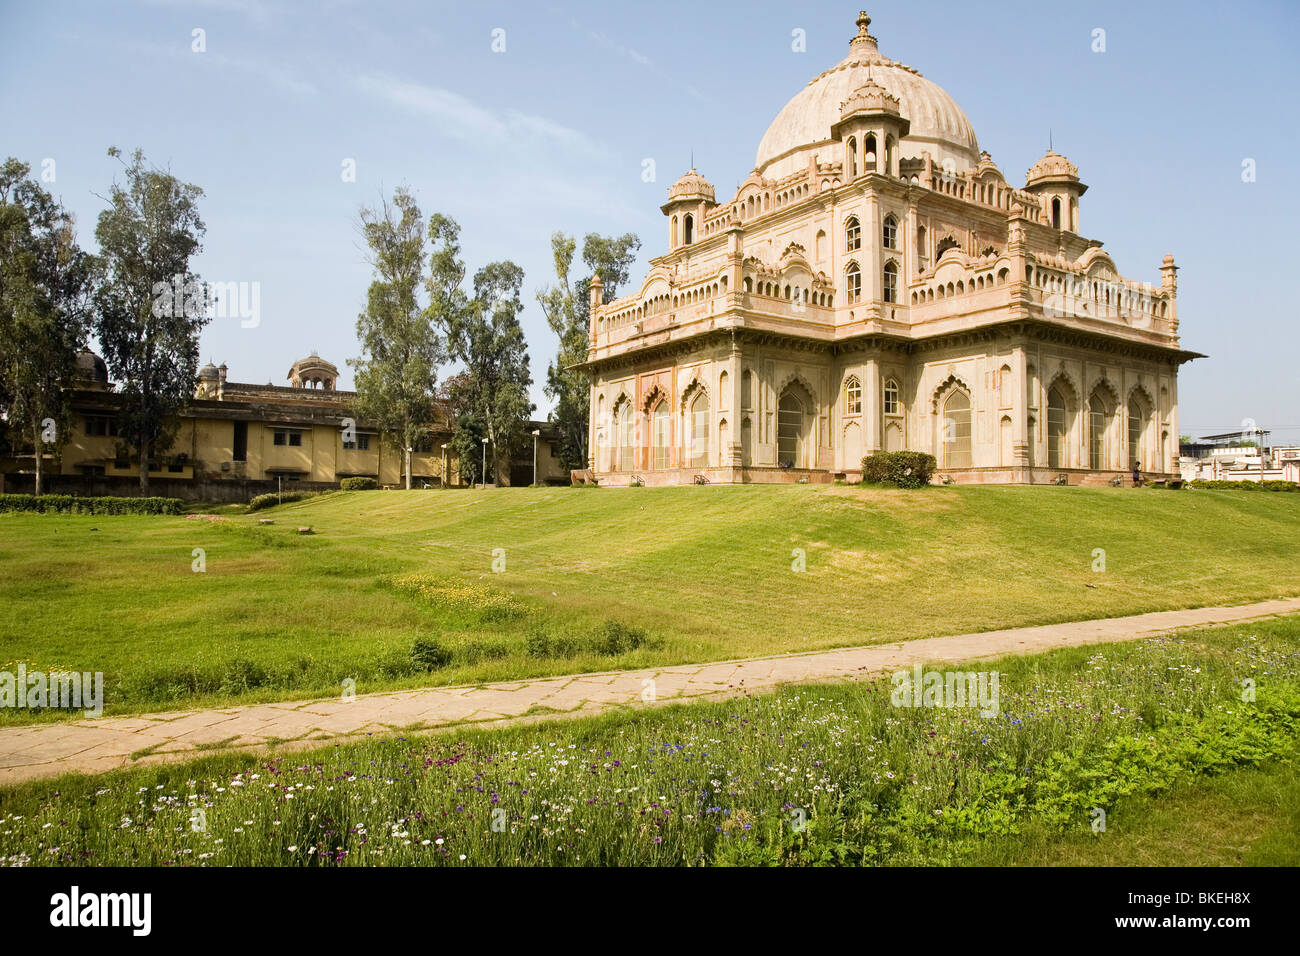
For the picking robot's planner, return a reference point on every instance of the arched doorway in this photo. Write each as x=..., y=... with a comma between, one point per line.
x=661, y=439
x=623, y=436
x=1137, y=427
x=1100, y=411
x=1056, y=430
x=790, y=431
x=956, y=430
x=697, y=437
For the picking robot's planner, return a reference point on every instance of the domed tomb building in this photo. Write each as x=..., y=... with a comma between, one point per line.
x=877, y=284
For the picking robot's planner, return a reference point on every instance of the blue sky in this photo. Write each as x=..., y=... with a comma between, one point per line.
x=552, y=134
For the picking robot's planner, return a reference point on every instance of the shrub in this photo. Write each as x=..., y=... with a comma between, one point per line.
x=397, y=663
x=1245, y=485
x=610, y=639
x=618, y=638
x=543, y=644
x=271, y=499
x=902, y=469
x=477, y=651
x=429, y=654
x=240, y=675
x=71, y=504
x=358, y=484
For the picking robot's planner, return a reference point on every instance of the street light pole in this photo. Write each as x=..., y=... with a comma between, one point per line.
x=536, y=432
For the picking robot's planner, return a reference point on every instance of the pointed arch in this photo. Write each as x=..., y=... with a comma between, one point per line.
x=1140, y=415
x=957, y=413
x=852, y=234
x=947, y=385
x=852, y=395
x=796, y=421
x=624, y=447
x=853, y=282
x=653, y=397
x=1103, y=411
x=695, y=429
x=660, y=433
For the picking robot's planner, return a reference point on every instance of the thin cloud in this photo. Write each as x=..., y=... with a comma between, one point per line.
x=466, y=120
x=636, y=56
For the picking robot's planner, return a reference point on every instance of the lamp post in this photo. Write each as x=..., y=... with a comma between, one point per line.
x=444, y=464
x=536, y=432
x=484, y=472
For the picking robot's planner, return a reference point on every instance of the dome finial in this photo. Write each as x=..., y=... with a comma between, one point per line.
x=864, y=42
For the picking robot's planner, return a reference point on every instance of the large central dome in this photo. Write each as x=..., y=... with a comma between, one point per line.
x=939, y=127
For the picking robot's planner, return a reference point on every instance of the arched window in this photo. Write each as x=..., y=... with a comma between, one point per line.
x=869, y=154
x=891, y=233
x=1055, y=429
x=946, y=243
x=698, y=451
x=1097, y=432
x=921, y=257
x=688, y=233
x=747, y=389
x=853, y=282
x=851, y=154
x=853, y=395
x=890, y=290
x=890, y=402
x=819, y=246
x=956, y=430
x=852, y=234
x=789, y=431
x=1056, y=212
x=659, y=430
x=724, y=392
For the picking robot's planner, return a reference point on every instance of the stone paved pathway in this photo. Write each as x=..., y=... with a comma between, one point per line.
x=95, y=746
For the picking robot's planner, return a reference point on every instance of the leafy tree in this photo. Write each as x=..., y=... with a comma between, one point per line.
x=491, y=397
x=401, y=348
x=45, y=286
x=567, y=307
x=150, y=306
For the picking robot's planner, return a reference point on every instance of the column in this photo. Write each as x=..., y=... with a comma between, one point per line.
x=1020, y=408
x=871, y=405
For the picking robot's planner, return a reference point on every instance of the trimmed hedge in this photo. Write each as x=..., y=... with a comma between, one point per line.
x=358, y=484
x=271, y=499
x=902, y=469
x=71, y=504
x=1246, y=485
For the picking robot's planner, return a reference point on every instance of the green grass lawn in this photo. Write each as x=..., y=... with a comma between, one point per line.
x=1157, y=733
x=695, y=573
